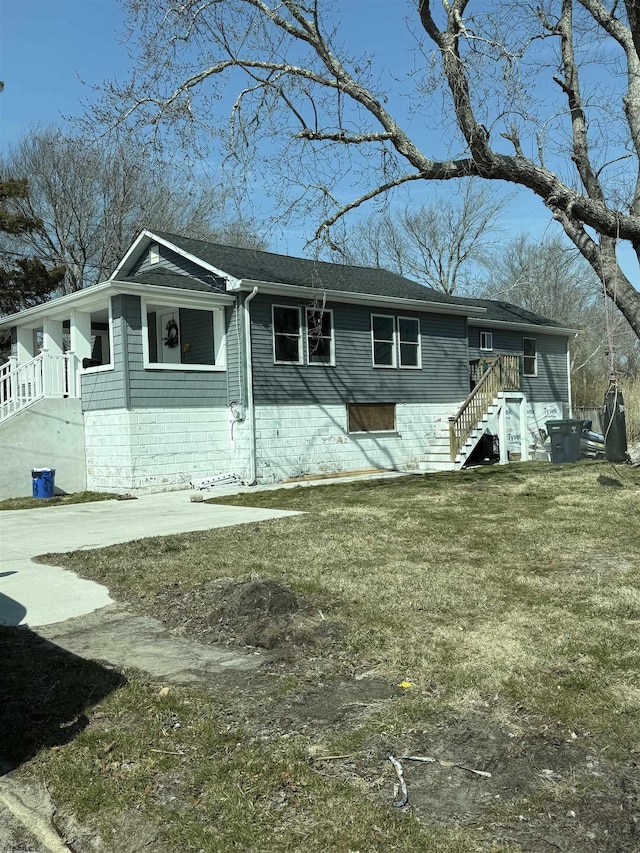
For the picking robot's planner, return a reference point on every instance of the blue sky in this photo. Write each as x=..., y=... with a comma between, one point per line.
x=47, y=48
x=52, y=51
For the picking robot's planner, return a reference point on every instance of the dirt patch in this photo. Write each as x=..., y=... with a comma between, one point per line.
x=258, y=612
x=546, y=790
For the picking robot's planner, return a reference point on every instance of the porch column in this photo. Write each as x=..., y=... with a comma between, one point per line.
x=52, y=336
x=502, y=433
x=524, y=430
x=80, y=334
x=54, y=384
x=79, y=347
x=24, y=346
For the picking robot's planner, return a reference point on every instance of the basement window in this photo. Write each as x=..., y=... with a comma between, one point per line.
x=371, y=417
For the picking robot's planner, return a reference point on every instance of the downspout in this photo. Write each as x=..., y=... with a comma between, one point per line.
x=569, y=394
x=250, y=406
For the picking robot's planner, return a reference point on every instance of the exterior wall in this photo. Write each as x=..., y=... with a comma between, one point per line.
x=159, y=449
x=48, y=434
x=174, y=262
x=444, y=377
x=130, y=385
x=107, y=389
x=236, y=380
x=551, y=384
x=298, y=440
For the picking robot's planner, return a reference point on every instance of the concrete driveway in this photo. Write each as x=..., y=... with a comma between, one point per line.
x=34, y=594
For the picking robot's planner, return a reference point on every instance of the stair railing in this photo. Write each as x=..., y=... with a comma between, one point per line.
x=46, y=375
x=503, y=374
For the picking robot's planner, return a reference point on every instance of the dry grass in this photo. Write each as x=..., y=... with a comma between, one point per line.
x=631, y=390
x=508, y=593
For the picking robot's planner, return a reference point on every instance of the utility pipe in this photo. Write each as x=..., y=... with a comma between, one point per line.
x=250, y=407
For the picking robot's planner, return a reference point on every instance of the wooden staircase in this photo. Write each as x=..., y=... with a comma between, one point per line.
x=469, y=423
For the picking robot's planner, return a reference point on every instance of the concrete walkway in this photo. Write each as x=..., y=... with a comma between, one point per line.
x=34, y=594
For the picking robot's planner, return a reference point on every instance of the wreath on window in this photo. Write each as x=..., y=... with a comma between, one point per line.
x=171, y=339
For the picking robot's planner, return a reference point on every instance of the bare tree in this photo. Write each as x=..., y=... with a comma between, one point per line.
x=89, y=201
x=443, y=245
x=293, y=82
x=550, y=278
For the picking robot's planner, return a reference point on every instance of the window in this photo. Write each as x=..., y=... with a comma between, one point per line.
x=395, y=341
x=154, y=254
x=286, y=335
x=371, y=417
x=530, y=361
x=320, y=336
x=409, y=340
x=383, y=332
x=183, y=338
x=486, y=341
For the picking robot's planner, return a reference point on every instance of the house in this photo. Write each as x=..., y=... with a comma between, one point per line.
x=196, y=359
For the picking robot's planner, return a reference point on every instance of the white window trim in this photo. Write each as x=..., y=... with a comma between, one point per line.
x=485, y=336
x=535, y=358
x=332, y=354
x=103, y=368
x=417, y=366
x=219, y=340
x=300, y=333
x=394, y=344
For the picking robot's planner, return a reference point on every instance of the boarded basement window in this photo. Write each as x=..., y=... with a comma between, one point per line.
x=371, y=417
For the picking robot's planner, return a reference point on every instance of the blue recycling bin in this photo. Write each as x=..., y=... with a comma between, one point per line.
x=43, y=482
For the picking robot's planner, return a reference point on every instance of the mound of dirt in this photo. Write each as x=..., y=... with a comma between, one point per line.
x=259, y=612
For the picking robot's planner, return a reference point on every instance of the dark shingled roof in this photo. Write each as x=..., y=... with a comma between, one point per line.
x=256, y=265
x=505, y=312
x=168, y=278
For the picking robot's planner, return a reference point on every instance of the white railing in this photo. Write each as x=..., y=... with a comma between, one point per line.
x=46, y=375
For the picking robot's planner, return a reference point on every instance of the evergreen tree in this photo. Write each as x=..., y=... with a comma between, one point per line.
x=29, y=282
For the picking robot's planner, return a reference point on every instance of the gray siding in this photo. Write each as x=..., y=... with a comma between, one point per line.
x=166, y=388
x=174, y=262
x=107, y=390
x=236, y=391
x=444, y=377
x=551, y=383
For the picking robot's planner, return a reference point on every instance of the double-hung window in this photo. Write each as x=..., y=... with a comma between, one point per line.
x=486, y=341
x=530, y=360
x=383, y=335
x=395, y=341
x=287, y=337
x=409, y=341
x=320, y=347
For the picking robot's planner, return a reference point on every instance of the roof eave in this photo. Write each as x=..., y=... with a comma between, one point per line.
x=168, y=294
x=277, y=289
x=79, y=298
x=524, y=326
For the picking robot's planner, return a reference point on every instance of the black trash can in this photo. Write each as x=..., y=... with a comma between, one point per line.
x=565, y=440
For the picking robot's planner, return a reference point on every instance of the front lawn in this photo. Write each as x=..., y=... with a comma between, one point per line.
x=505, y=601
